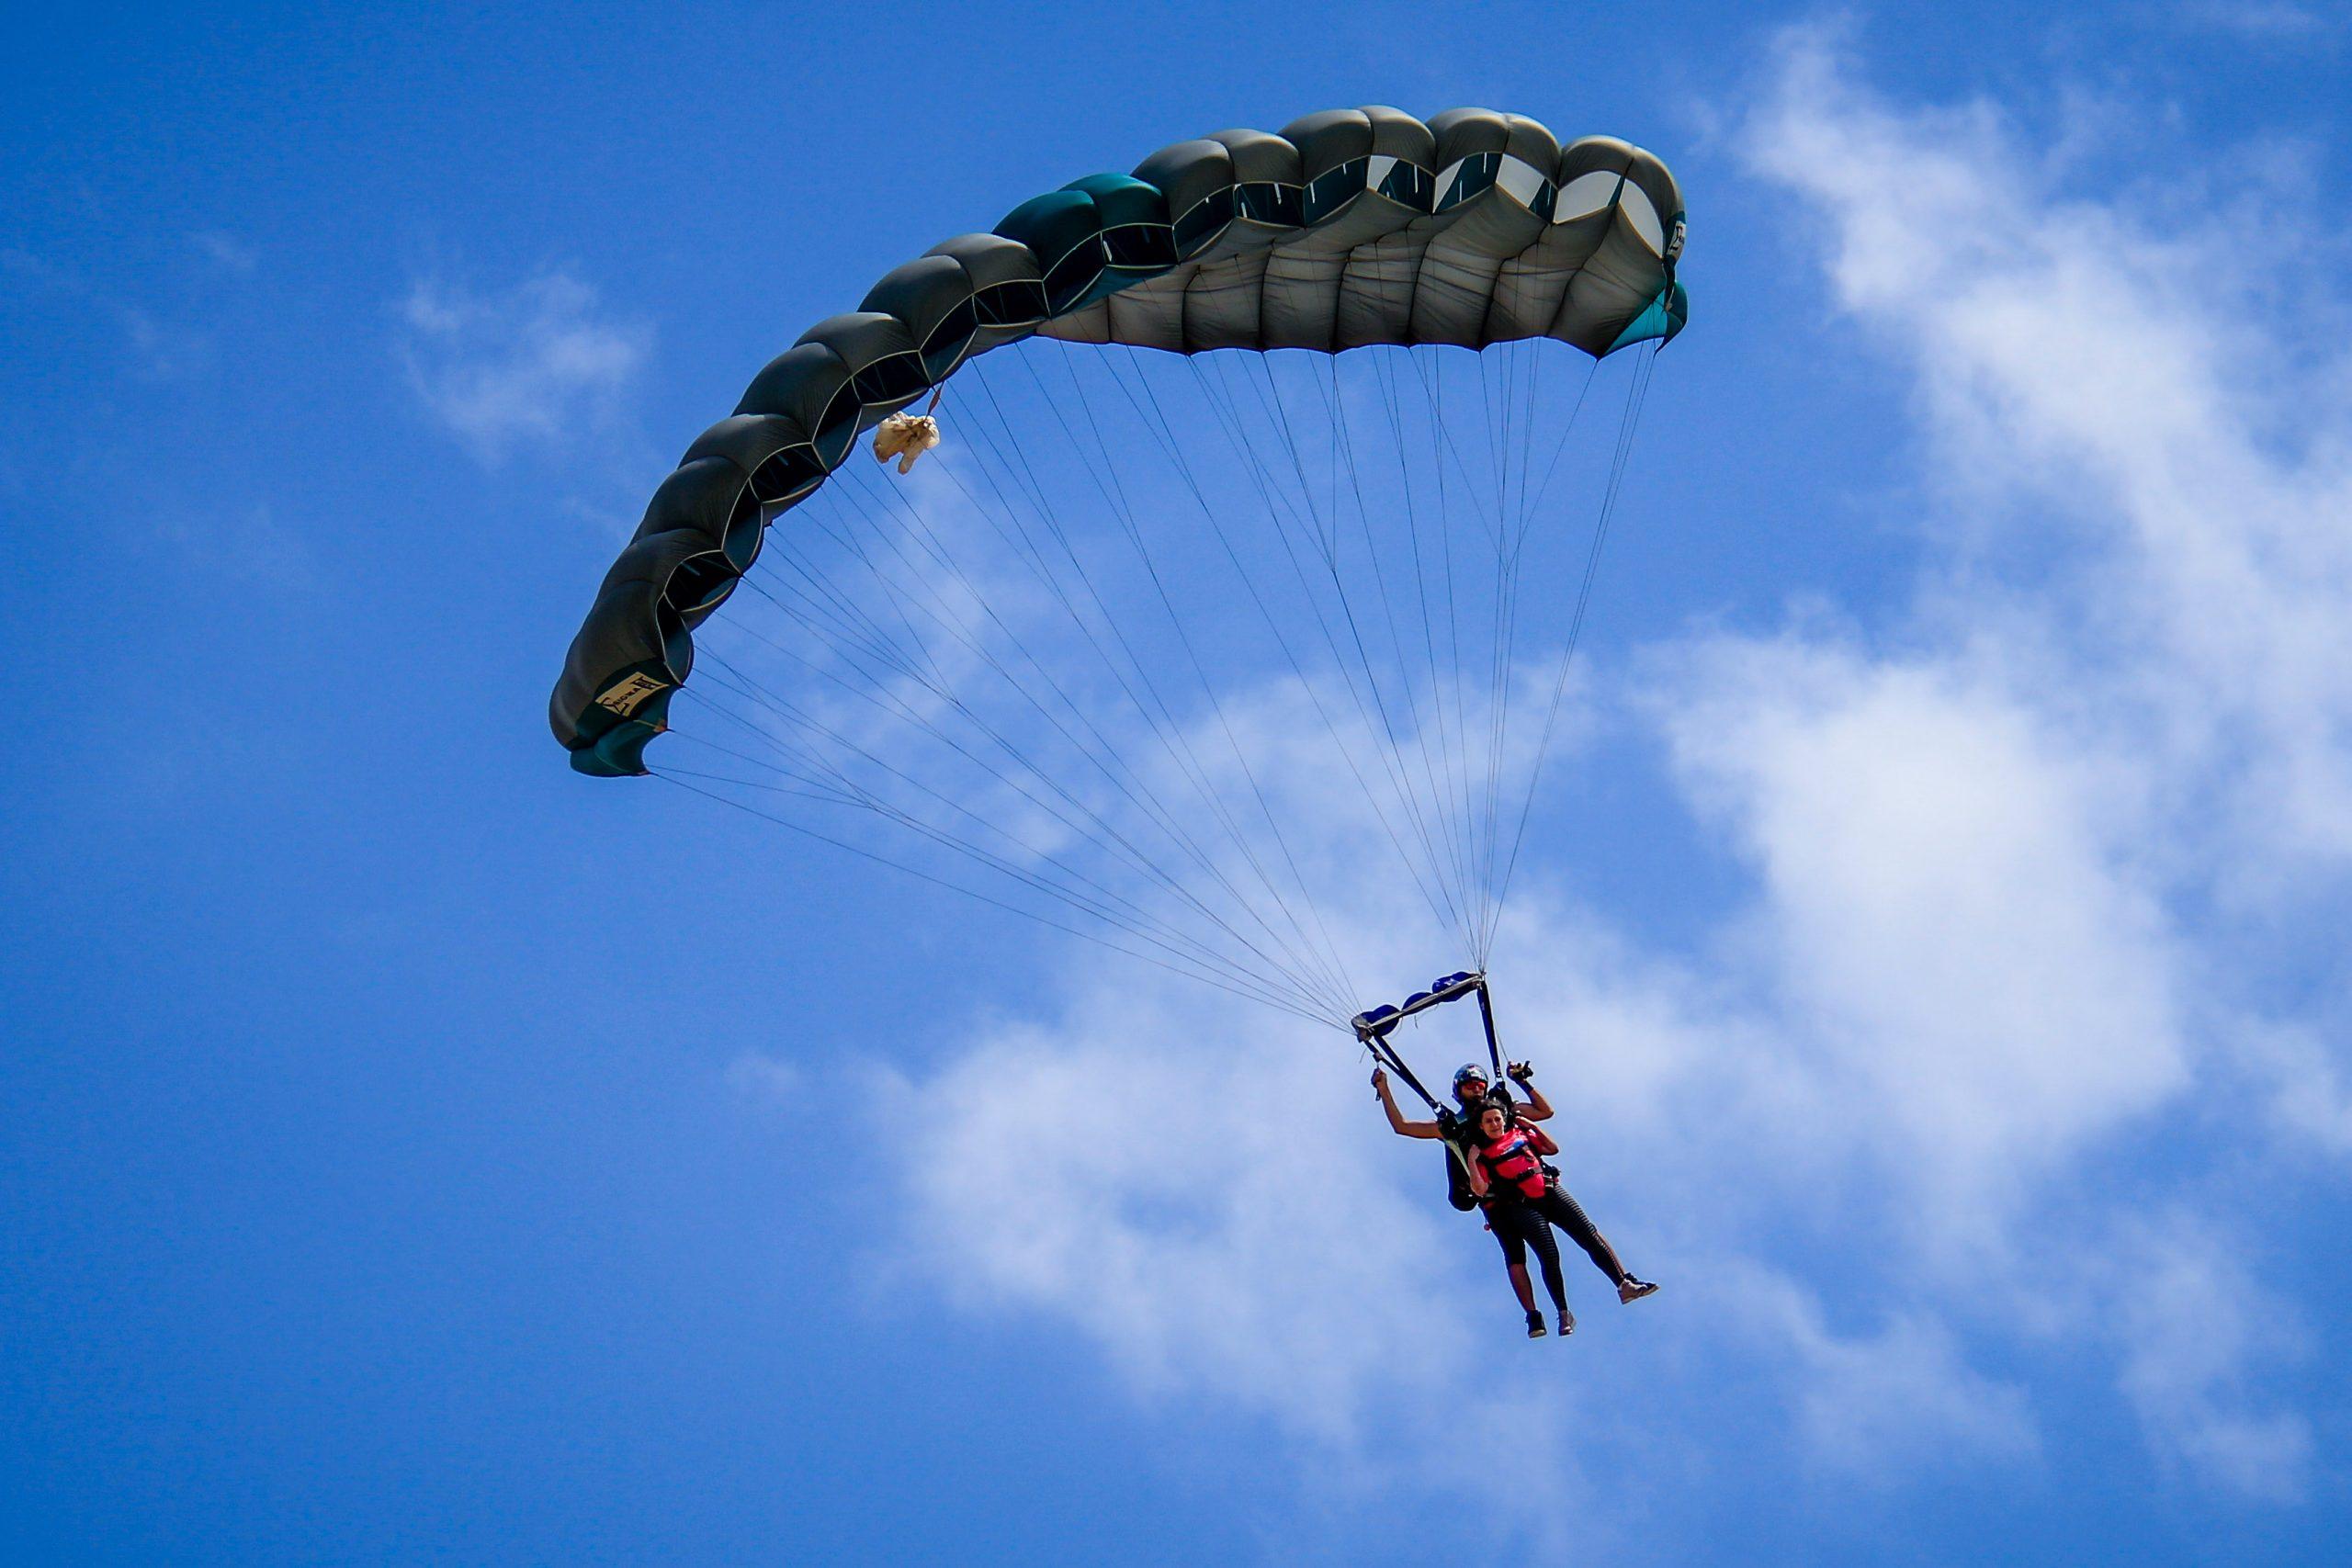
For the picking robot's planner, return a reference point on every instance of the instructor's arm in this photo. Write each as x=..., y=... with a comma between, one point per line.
x=1396, y=1118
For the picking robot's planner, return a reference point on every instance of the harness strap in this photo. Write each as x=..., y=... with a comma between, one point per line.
x=1518, y=1166
x=1486, y=1016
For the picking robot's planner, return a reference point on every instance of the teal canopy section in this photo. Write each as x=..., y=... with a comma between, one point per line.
x=1661, y=319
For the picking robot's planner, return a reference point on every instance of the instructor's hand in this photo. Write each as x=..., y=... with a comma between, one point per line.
x=1520, y=1072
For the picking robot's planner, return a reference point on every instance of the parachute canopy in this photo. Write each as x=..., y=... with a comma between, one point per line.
x=1352, y=227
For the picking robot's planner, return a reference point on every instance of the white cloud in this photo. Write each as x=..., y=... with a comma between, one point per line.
x=2172, y=677
x=1952, y=935
x=1204, y=1213
x=1997, y=867
x=1872, y=1406
x=2091, y=364
x=2309, y=1094
x=1211, y=1198
x=540, y=363
x=2193, y=1319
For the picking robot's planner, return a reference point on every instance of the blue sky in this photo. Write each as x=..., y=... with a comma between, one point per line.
x=415, y=1151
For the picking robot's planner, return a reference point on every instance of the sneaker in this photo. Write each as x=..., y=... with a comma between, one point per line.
x=1634, y=1290
x=1535, y=1329
x=1567, y=1322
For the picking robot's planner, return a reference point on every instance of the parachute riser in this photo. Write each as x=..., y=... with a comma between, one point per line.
x=1382, y=1052
x=1374, y=1025
x=1486, y=1019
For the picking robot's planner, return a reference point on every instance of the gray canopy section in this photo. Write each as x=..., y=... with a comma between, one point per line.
x=1352, y=227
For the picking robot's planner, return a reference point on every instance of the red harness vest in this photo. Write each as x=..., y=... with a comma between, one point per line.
x=1510, y=1162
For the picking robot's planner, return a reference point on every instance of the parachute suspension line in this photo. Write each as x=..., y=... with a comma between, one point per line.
x=1282, y=1004
x=1524, y=520
x=1136, y=856
x=1134, y=537
x=1133, y=533
x=1236, y=426
x=1496, y=424
x=1395, y=754
x=1636, y=395
x=1452, y=732
x=1514, y=522
x=937, y=685
x=1476, y=826
x=1344, y=445
x=1519, y=496
x=1476, y=818
x=1162, y=722
x=748, y=686
x=1159, y=813
x=1228, y=416
x=1370, y=713
x=1508, y=547
x=783, y=709
x=1164, y=430
x=964, y=846
x=1456, y=787
x=896, y=630
x=916, y=648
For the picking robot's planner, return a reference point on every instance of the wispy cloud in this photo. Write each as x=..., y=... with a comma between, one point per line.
x=2309, y=1094
x=2195, y=1321
x=253, y=545
x=1874, y=1406
x=2262, y=21
x=160, y=348
x=541, y=364
x=767, y=1077
x=226, y=251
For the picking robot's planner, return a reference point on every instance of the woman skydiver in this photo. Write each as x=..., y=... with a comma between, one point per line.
x=1523, y=1200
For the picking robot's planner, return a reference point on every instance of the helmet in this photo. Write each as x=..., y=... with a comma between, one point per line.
x=1468, y=1072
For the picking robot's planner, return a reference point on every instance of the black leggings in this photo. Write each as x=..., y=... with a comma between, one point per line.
x=1520, y=1223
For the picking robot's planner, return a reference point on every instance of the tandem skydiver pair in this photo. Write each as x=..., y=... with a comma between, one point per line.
x=1498, y=1156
